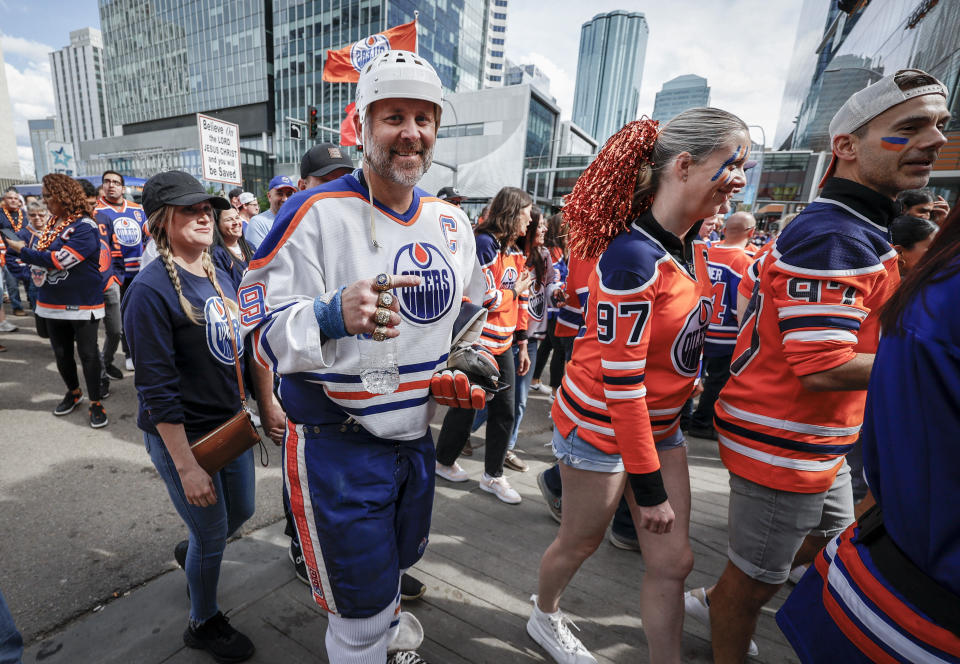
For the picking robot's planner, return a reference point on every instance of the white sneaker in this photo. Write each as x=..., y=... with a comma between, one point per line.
x=129, y=364
x=797, y=573
x=7, y=326
x=553, y=635
x=500, y=487
x=541, y=388
x=452, y=473
x=409, y=634
x=695, y=605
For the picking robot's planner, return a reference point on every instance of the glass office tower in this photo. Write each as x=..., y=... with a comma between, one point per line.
x=678, y=94
x=609, y=69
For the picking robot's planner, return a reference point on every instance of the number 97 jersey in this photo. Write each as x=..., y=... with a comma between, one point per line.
x=814, y=307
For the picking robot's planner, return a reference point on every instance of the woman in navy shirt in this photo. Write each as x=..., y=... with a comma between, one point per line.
x=178, y=331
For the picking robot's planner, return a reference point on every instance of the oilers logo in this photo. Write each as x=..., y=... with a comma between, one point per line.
x=127, y=231
x=433, y=298
x=509, y=277
x=367, y=49
x=218, y=331
x=54, y=276
x=536, y=306
x=689, y=342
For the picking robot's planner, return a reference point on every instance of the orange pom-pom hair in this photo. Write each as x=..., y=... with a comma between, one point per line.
x=602, y=201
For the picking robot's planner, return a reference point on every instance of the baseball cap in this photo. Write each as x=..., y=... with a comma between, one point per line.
x=282, y=182
x=450, y=194
x=323, y=158
x=246, y=197
x=176, y=188
x=866, y=104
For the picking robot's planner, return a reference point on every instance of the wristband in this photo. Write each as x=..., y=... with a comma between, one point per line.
x=647, y=488
x=329, y=315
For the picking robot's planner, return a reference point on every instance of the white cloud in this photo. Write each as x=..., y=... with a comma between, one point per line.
x=30, y=89
x=562, y=82
x=742, y=48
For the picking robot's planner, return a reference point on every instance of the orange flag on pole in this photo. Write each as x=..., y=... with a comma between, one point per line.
x=348, y=136
x=344, y=65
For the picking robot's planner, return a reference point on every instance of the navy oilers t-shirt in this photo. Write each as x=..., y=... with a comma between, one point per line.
x=184, y=371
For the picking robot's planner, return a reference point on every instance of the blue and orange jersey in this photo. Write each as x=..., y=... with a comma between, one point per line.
x=506, y=309
x=814, y=308
x=646, y=319
x=129, y=223
x=109, y=248
x=749, y=276
x=726, y=266
x=570, y=317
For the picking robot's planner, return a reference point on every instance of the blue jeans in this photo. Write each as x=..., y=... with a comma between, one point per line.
x=521, y=389
x=209, y=526
x=11, y=643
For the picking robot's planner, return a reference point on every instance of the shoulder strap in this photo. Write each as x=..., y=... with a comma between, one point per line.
x=233, y=342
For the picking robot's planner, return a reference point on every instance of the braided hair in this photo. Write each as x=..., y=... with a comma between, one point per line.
x=621, y=182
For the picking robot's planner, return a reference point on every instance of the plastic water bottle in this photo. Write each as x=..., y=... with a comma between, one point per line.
x=379, y=372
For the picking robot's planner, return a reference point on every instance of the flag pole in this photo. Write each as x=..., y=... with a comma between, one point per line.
x=416, y=27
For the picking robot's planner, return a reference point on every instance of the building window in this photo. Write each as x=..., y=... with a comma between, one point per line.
x=499, y=16
x=496, y=65
x=500, y=3
x=497, y=41
x=496, y=54
x=499, y=28
x=494, y=79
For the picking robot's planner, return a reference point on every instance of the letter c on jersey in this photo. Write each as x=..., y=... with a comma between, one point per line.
x=432, y=299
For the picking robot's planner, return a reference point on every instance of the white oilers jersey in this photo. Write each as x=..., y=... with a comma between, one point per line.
x=321, y=241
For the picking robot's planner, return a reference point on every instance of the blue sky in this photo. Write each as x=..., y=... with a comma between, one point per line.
x=742, y=47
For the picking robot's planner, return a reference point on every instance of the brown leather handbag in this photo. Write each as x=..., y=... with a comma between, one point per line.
x=228, y=441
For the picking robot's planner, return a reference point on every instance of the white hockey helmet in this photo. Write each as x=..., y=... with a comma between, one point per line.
x=398, y=75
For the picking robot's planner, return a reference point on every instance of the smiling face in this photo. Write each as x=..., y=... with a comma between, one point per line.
x=191, y=228
x=897, y=149
x=38, y=219
x=711, y=183
x=231, y=225
x=399, y=139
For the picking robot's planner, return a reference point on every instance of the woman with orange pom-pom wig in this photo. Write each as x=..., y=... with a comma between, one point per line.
x=635, y=213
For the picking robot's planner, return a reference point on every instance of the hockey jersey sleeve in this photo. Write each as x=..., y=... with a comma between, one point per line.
x=278, y=293
x=570, y=317
x=818, y=292
x=624, y=302
x=82, y=243
x=495, y=298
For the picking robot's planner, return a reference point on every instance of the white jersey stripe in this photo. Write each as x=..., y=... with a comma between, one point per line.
x=625, y=394
x=787, y=425
x=820, y=310
x=610, y=364
x=820, y=335
x=608, y=431
x=779, y=461
x=580, y=394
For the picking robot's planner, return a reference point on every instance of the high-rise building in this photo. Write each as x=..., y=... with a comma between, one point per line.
x=494, y=60
x=609, y=69
x=41, y=131
x=78, y=73
x=680, y=93
x=523, y=74
x=450, y=35
x=9, y=161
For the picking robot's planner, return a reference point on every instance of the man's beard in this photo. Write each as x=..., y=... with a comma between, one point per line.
x=379, y=158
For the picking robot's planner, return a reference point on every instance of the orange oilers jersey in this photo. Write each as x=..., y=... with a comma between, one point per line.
x=726, y=266
x=749, y=276
x=570, y=317
x=814, y=308
x=506, y=311
x=634, y=368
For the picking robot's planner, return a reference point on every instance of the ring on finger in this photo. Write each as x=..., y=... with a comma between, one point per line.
x=384, y=300
x=381, y=282
x=382, y=316
x=380, y=334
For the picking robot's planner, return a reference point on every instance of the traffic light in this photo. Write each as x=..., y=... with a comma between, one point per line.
x=312, y=121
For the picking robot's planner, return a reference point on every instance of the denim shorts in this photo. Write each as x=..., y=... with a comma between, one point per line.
x=575, y=452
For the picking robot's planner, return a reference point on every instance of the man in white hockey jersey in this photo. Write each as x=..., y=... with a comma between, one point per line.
x=337, y=273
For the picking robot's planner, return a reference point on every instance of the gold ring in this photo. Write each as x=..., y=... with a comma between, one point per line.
x=384, y=300
x=381, y=282
x=380, y=334
x=382, y=316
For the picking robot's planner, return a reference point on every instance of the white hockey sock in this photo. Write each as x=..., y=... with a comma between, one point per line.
x=359, y=640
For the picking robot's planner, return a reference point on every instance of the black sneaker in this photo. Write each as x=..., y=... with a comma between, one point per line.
x=98, y=417
x=180, y=553
x=708, y=433
x=411, y=588
x=217, y=637
x=104, y=388
x=70, y=401
x=554, y=501
x=296, y=557
x=406, y=657
x=113, y=371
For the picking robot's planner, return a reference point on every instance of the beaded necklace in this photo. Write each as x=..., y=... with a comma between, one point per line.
x=53, y=229
x=18, y=224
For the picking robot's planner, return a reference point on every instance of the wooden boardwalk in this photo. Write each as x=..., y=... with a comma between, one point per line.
x=480, y=570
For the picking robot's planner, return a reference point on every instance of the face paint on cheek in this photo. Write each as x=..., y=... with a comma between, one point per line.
x=733, y=158
x=893, y=143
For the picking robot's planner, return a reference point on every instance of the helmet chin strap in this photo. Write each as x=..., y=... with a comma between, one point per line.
x=373, y=224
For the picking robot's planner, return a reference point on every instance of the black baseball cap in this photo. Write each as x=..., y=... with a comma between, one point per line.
x=450, y=194
x=176, y=188
x=323, y=158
